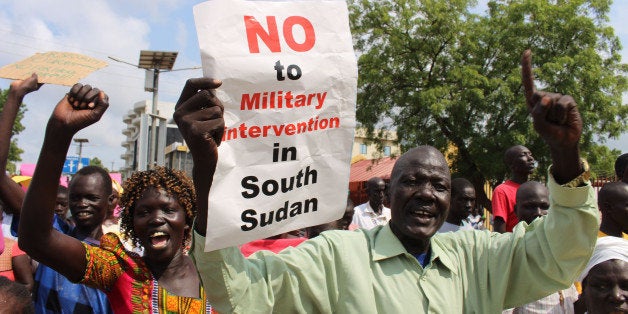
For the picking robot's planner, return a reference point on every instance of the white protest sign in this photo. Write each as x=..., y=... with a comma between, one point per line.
x=289, y=89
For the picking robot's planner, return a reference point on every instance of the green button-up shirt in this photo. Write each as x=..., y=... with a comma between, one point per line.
x=371, y=272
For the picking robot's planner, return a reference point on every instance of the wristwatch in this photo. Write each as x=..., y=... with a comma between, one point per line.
x=583, y=178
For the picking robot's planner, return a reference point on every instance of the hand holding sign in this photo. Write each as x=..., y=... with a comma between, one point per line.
x=80, y=108
x=557, y=121
x=22, y=87
x=199, y=116
x=290, y=86
x=53, y=67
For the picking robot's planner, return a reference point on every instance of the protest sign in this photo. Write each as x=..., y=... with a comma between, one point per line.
x=289, y=89
x=53, y=67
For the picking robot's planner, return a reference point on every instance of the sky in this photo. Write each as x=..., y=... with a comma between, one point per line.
x=121, y=29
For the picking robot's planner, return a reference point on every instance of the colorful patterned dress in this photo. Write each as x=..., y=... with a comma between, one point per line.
x=130, y=285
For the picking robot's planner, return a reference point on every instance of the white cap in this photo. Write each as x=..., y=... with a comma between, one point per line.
x=606, y=248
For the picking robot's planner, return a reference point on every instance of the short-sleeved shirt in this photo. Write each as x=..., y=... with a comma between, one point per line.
x=449, y=227
x=129, y=283
x=366, y=218
x=7, y=220
x=503, y=203
x=560, y=302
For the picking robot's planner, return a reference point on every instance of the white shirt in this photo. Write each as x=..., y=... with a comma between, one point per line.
x=447, y=227
x=6, y=226
x=556, y=303
x=365, y=217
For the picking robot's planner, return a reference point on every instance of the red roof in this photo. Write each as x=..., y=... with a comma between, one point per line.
x=366, y=169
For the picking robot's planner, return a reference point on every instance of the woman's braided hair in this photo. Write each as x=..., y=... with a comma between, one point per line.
x=175, y=182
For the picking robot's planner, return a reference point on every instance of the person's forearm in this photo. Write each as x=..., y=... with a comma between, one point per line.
x=202, y=176
x=198, y=103
x=499, y=225
x=554, y=259
x=7, y=120
x=22, y=270
x=37, y=210
x=11, y=194
x=566, y=164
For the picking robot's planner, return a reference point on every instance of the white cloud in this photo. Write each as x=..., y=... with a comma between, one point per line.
x=93, y=28
x=182, y=34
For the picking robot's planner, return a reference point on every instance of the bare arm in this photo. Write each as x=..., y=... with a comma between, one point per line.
x=11, y=193
x=22, y=271
x=557, y=121
x=199, y=117
x=81, y=107
x=499, y=225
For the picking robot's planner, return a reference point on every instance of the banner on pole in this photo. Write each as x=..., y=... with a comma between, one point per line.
x=289, y=89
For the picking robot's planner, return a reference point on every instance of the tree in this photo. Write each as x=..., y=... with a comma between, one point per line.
x=602, y=161
x=451, y=78
x=96, y=162
x=14, y=150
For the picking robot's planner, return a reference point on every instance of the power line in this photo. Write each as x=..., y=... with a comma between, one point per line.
x=62, y=45
x=170, y=87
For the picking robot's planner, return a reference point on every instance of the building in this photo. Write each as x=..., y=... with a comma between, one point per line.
x=365, y=149
x=177, y=154
x=371, y=159
x=138, y=135
x=173, y=153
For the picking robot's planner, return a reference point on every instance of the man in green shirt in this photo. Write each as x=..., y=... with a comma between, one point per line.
x=404, y=267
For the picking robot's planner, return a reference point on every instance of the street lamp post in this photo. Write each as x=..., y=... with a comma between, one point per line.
x=80, y=141
x=155, y=61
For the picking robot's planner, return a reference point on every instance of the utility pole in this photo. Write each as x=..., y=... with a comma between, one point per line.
x=153, y=126
x=80, y=141
x=154, y=62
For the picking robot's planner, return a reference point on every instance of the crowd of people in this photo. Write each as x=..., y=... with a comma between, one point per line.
x=419, y=244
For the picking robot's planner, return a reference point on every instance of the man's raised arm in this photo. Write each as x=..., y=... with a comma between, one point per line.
x=81, y=107
x=538, y=259
x=199, y=116
x=557, y=121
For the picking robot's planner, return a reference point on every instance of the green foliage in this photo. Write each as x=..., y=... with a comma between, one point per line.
x=601, y=159
x=14, y=150
x=443, y=75
x=96, y=162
